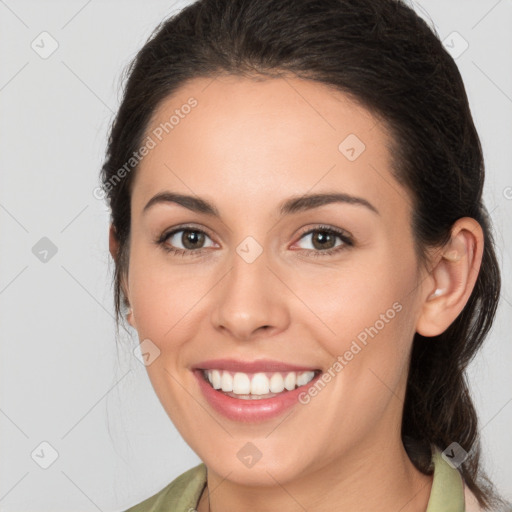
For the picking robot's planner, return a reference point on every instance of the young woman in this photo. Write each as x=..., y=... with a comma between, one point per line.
x=301, y=245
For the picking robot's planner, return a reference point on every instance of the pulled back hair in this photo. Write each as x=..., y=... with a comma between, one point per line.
x=385, y=57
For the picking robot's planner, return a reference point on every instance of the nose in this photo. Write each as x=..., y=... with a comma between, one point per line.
x=251, y=301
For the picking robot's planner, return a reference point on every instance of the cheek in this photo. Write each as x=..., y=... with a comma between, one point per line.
x=367, y=294
x=165, y=296
x=367, y=324
x=366, y=328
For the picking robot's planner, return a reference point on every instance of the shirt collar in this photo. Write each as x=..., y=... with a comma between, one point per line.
x=447, y=493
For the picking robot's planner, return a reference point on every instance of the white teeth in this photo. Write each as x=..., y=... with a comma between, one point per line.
x=226, y=382
x=304, y=378
x=241, y=384
x=289, y=381
x=259, y=383
x=276, y=383
x=216, y=379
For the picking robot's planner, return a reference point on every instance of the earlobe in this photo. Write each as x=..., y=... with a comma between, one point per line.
x=113, y=245
x=452, y=279
x=129, y=317
x=113, y=242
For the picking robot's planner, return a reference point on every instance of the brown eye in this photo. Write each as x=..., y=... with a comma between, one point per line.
x=184, y=241
x=192, y=239
x=323, y=241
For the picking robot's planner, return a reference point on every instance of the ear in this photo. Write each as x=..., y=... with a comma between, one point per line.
x=448, y=286
x=113, y=246
x=113, y=242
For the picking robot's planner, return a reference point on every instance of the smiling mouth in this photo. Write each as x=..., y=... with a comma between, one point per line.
x=259, y=385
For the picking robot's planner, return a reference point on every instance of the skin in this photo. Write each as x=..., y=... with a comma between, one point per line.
x=246, y=147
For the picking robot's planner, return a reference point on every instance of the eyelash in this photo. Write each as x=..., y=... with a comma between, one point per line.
x=345, y=238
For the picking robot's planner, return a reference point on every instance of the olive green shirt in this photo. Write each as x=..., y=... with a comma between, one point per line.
x=448, y=493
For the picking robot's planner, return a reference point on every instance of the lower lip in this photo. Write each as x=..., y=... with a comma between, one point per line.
x=255, y=410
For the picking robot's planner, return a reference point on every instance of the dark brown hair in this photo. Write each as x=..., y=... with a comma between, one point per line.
x=388, y=59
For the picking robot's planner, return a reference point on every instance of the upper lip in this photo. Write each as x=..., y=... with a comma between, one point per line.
x=259, y=365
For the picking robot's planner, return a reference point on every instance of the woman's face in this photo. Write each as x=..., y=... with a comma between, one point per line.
x=256, y=280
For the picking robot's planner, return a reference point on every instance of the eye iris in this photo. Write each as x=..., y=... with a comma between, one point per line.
x=194, y=237
x=324, y=238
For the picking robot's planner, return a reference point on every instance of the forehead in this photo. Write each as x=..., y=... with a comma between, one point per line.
x=255, y=141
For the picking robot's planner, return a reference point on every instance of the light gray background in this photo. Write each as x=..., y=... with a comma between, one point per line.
x=62, y=380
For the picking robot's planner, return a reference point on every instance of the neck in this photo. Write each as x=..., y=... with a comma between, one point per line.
x=373, y=478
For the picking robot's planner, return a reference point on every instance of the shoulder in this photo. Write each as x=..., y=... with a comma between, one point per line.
x=181, y=495
x=449, y=490
x=500, y=504
x=471, y=502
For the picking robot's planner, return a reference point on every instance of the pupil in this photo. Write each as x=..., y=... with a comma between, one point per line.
x=324, y=238
x=192, y=238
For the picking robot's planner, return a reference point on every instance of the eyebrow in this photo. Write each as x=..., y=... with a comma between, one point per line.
x=290, y=206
